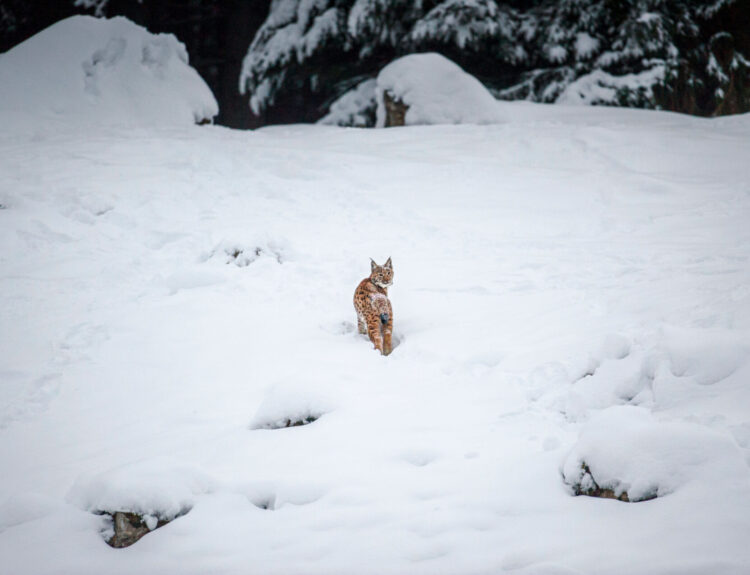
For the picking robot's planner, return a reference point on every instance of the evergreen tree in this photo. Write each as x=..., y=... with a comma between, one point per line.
x=682, y=55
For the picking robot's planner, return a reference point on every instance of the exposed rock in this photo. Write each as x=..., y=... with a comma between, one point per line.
x=243, y=256
x=302, y=421
x=130, y=527
x=395, y=110
x=286, y=422
x=589, y=486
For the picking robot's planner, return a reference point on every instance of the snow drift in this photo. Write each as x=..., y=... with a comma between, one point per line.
x=89, y=71
x=436, y=91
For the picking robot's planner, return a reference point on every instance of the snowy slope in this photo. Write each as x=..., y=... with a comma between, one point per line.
x=86, y=71
x=567, y=282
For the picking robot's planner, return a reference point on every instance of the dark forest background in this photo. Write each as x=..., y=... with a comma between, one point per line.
x=519, y=49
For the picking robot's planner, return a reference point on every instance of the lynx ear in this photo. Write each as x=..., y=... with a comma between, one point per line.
x=373, y=265
x=388, y=264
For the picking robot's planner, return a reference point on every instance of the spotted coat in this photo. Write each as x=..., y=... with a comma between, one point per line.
x=374, y=312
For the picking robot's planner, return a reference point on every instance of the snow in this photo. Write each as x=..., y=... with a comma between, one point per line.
x=91, y=71
x=465, y=23
x=159, y=487
x=289, y=402
x=586, y=45
x=351, y=109
x=437, y=91
x=570, y=284
x=556, y=53
x=628, y=449
x=599, y=87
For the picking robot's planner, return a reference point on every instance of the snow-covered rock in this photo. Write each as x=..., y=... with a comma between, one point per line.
x=89, y=71
x=160, y=487
x=628, y=451
x=435, y=91
x=290, y=404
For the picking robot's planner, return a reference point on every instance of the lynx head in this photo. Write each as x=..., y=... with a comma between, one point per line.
x=382, y=276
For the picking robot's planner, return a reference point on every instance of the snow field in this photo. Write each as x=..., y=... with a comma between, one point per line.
x=569, y=284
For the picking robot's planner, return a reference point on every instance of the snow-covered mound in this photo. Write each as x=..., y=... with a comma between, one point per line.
x=436, y=91
x=626, y=449
x=90, y=71
x=160, y=487
x=289, y=404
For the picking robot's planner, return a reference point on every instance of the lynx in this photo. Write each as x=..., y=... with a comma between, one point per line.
x=374, y=313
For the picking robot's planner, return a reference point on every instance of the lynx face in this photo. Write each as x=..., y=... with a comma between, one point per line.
x=382, y=276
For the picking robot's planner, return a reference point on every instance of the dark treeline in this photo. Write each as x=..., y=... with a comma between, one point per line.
x=689, y=56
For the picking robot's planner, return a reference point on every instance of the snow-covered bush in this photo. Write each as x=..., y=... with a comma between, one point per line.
x=355, y=108
x=89, y=71
x=435, y=91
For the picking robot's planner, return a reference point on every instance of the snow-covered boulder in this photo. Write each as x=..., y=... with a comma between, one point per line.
x=433, y=90
x=290, y=404
x=159, y=488
x=625, y=453
x=86, y=71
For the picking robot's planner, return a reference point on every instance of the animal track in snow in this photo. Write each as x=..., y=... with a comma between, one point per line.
x=36, y=393
x=243, y=255
x=419, y=457
x=270, y=496
x=613, y=347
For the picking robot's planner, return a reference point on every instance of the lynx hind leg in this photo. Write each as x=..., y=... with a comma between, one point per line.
x=361, y=325
x=387, y=337
x=373, y=331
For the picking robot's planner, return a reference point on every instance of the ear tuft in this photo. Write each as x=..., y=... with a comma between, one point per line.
x=373, y=265
x=388, y=264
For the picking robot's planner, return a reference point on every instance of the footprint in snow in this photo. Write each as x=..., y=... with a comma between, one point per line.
x=419, y=457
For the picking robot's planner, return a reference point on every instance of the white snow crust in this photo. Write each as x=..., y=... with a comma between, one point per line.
x=570, y=284
x=437, y=91
x=91, y=71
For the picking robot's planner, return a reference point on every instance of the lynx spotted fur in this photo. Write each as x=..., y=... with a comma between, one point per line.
x=374, y=312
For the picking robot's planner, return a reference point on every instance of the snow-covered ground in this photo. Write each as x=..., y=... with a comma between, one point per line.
x=571, y=286
x=142, y=362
